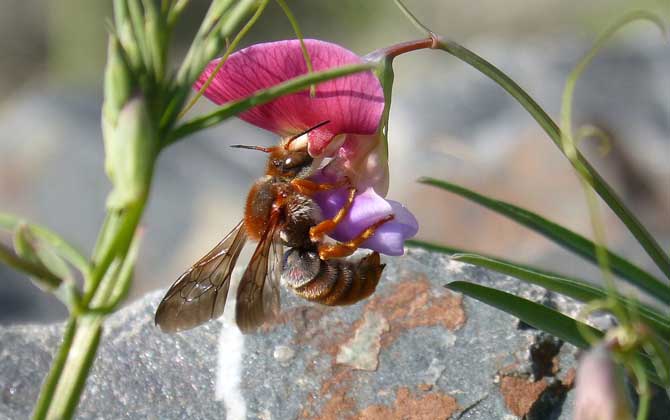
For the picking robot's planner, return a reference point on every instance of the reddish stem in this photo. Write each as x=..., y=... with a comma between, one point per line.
x=405, y=47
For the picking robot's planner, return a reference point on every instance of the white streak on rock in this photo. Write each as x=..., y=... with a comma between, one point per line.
x=229, y=365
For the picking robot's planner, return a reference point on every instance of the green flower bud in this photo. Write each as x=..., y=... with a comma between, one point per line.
x=118, y=80
x=28, y=247
x=131, y=146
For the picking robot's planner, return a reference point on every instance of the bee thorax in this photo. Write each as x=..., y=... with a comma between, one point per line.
x=301, y=214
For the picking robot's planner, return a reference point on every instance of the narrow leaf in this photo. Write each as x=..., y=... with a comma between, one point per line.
x=28, y=247
x=43, y=277
x=574, y=288
x=541, y=317
x=449, y=250
x=534, y=314
x=564, y=237
x=597, y=182
x=63, y=249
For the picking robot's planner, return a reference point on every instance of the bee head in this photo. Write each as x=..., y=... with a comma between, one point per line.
x=289, y=163
x=290, y=159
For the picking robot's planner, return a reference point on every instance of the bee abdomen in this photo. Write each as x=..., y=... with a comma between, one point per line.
x=320, y=286
x=365, y=275
x=340, y=282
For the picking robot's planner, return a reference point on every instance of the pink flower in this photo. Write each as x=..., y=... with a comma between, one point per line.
x=353, y=105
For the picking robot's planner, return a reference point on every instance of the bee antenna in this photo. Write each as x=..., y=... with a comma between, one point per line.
x=319, y=125
x=259, y=148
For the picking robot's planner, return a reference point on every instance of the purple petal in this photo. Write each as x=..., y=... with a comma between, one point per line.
x=369, y=207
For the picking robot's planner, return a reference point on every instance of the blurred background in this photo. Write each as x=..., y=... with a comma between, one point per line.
x=447, y=121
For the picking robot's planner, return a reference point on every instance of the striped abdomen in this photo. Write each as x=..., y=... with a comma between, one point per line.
x=331, y=282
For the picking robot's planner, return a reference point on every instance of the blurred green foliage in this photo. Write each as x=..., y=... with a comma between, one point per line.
x=64, y=40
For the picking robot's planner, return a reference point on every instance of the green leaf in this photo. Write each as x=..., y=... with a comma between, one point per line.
x=541, y=317
x=44, y=278
x=563, y=237
x=63, y=249
x=597, y=182
x=574, y=288
x=534, y=314
x=27, y=246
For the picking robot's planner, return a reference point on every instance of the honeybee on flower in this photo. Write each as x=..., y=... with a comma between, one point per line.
x=328, y=176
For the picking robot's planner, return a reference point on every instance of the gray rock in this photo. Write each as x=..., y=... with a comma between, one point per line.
x=412, y=347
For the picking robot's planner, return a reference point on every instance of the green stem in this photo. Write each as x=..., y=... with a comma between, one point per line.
x=643, y=389
x=64, y=384
x=596, y=181
x=121, y=236
x=50, y=382
x=82, y=351
x=569, y=148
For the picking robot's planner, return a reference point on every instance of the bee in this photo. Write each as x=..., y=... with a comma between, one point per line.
x=280, y=212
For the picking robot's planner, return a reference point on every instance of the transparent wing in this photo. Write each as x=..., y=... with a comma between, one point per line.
x=200, y=293
x=258, y=292
x=271, y=292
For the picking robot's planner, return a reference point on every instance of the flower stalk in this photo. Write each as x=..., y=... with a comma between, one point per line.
x=135, y=99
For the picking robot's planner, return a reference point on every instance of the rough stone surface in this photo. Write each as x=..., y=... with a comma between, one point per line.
x=414, y=347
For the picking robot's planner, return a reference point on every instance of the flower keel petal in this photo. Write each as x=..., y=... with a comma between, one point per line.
x=367, y=208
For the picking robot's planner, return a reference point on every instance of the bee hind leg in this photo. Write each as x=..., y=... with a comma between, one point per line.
x=344, y=249
x=317, y=232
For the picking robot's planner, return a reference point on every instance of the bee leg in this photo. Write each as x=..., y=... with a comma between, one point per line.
x=316, y=233
x=307, y=187
x=344, y=249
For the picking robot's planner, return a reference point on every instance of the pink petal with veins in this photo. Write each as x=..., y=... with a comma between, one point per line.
x=353, y=104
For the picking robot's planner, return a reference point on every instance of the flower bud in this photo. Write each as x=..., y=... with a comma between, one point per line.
x=118, y=80
x=131, y=146
x=600, y=391
x=29, y=248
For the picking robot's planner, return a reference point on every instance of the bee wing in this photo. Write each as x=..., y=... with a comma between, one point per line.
x=200, y=293
x=271, y=297
x=258, y=299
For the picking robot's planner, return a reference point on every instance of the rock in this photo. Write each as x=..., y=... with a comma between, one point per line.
x=413, y=347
